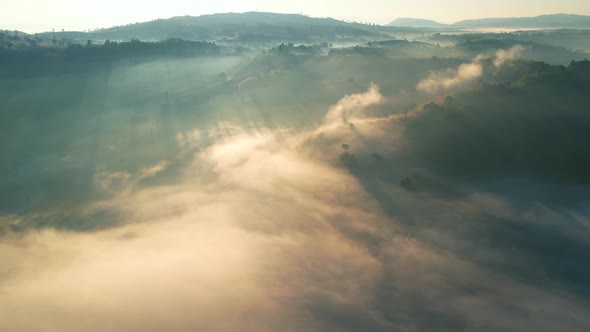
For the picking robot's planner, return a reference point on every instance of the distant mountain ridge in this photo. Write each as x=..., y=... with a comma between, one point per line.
x=263, y=28
x=259, y=26
x=417, y=22
x=544, y=21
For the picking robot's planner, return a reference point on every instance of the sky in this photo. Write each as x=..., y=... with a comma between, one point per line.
x=44, y=15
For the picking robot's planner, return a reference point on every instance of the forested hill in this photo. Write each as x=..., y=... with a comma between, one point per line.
x=531, y=127
x=235, y=26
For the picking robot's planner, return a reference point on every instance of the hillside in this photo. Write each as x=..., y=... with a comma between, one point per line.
x=237, y=27
x=417, y=22
x=530, y=128
x=543, y=21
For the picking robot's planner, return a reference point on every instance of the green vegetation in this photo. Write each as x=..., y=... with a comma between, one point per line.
x=535, y=127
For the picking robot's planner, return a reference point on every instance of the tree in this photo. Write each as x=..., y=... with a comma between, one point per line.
x=377, y=157
x=347, y=159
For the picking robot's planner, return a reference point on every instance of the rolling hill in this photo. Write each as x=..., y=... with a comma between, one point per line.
x=543, y=21
x=417, y=22
x=239, y=27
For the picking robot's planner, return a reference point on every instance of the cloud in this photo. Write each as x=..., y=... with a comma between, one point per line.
x=503, y=56
x=468, y=72
x=243, y=246
x=451, y=78
x=353, y=107
x=121, y=182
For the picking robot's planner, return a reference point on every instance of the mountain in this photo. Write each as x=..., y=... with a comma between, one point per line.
x=260, y=28
x=241, y=27
x=417, y=22
x=543, y=21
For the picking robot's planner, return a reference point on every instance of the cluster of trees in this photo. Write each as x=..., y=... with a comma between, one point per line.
x=110, y=50
x=172, y=46
x=301, y=49
x=16, y=39
x=536, y=126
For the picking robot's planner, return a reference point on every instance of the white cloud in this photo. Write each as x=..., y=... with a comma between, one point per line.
x=468, y=72
x=353, y=107
x=503, y=56
x=451, y=78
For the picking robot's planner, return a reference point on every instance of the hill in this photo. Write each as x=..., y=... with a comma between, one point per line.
x=236, y=27
x=543, y=21
x=534, y=127
x=417, y=22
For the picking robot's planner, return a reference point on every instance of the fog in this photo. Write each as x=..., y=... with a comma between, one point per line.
x=253, y=235
x=466, y=72
x=389, y=186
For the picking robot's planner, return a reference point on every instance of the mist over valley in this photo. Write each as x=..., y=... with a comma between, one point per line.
x=281, y=172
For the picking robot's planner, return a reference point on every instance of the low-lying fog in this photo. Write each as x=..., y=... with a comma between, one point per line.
x=297, y=193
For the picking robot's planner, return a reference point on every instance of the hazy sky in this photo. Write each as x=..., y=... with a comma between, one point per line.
x=35, y=15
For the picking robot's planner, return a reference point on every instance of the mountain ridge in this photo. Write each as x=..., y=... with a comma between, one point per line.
x=232, y=26
x=541, y=21
x=417, y=22
x=271, y=28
